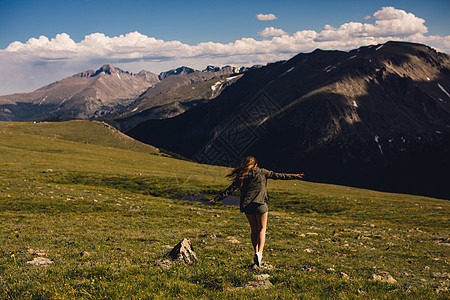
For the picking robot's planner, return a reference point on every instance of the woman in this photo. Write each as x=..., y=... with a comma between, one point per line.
x=252, y=182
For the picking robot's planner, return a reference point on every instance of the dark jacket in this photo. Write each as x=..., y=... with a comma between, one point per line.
x=254, y=186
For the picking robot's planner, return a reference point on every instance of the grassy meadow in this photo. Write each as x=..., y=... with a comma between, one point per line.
x=104, y=209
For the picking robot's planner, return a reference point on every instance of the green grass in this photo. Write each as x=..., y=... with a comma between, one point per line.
x=118, y=203
x=98, y=133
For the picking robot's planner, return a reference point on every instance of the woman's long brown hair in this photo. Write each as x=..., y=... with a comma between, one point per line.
x=243, y=169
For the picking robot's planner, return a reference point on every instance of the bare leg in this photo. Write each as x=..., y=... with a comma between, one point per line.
x=262, y=225
x=258, y=225
x=254, y=230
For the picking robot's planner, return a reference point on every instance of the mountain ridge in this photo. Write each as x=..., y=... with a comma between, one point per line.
x=170, y=103
x=93, y=93
x=86, y=94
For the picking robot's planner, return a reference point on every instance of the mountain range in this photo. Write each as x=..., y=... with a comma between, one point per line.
x=376, y=117
x=96, y=93
x=87, y=94
x=179, y=90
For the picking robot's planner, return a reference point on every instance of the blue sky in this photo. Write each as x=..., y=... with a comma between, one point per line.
x=83, y=34
x=194, y=21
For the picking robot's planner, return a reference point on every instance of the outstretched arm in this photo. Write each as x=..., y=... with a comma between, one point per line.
x=227, y=192
x=282, y=176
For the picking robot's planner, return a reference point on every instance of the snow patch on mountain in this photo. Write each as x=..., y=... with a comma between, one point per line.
x=442, y=88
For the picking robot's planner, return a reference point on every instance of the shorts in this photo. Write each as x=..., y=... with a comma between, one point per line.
x=256, y=209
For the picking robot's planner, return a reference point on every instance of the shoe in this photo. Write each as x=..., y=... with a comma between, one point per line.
x=257, y=259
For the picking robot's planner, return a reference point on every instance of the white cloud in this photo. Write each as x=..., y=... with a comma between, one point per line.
x=268, y=17
x=42, y=60
x=389, y=22
x=271, y=31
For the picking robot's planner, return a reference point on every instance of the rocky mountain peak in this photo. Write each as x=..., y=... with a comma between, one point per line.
x=211, y=69
x=143, y=73
x=148, y=76
x=88, y=73
x=108, y=69
x=229, y=69
x=178, y=71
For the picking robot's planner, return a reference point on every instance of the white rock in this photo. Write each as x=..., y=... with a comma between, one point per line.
x=261, y=277
x=40, y=261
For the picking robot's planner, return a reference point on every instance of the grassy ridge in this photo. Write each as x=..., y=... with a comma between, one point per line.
x=117, y=207
x=87, y=132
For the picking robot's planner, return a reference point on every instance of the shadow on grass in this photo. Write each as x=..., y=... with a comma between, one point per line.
x=300, y=204
x=168, y=187
x=190, y=190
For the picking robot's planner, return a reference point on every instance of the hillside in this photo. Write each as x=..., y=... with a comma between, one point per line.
x=373, y=117
x=105, y=217
x=79, y=131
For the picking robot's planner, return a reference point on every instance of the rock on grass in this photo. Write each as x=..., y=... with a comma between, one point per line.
x=264, y=284
x=163, y=264
x=184, y=252
x=40, y=261
x=384, y=277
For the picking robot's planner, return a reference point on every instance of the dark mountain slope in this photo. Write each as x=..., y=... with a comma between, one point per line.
x=376, y=117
